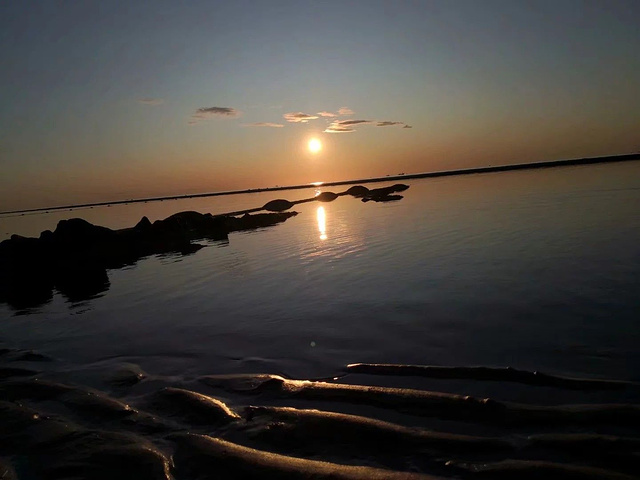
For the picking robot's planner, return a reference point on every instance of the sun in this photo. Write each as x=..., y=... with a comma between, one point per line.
x=314, y=145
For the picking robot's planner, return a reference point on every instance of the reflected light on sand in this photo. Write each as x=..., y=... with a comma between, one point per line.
x=322, y=223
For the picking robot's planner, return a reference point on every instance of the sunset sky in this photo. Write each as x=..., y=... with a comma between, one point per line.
x=106, y=100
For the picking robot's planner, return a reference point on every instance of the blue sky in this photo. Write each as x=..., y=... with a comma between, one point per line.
x=100, y=100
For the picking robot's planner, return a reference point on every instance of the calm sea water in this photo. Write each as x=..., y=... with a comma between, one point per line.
x=535, y=269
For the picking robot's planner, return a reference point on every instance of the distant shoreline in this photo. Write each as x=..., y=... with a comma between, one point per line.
x=442, y=173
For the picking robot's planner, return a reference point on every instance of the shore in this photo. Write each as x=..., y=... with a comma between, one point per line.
x=442, y=173
x=145, y=426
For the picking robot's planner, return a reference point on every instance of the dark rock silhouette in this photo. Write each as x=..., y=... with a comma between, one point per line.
x=278, y=205
x=258, y=220
x=357, y=191
x=383, y=191
x=74, y=258
x=383, y=198
x=384, y=194
x=327, y=197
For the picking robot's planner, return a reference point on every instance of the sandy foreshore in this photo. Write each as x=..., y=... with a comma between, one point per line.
x=145, y=426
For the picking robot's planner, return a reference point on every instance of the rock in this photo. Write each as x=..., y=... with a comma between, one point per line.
x=400, y=187
x=383, y=198
x=278, y=205
x=144, y=224
x=75, y=257
x=259, y=220
x=191, y=225
x=77, y=233
x=327, y=197
x=384, y=194
x=46, y=235
x=357, y=191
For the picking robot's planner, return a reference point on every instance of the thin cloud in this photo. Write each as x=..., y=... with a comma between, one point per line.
x=388, y=124
x=342, y=126
x=298, y=117
x=205, y=113
x=327, y=114
x=391, y=124
x=345, y=111
x=338, y=129
x=263, y=124
x=353, y=122
x=151, y=101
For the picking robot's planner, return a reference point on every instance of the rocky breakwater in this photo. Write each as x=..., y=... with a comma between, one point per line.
x=75, y=257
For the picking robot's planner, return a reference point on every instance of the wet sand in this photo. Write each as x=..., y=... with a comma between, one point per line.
x=145, y=426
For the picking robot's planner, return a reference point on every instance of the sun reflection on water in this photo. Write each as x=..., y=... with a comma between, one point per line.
x=322, y=223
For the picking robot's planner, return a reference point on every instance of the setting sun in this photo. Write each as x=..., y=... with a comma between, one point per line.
x=314, y=145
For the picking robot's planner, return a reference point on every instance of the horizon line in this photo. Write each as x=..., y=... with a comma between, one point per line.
x=440, y=173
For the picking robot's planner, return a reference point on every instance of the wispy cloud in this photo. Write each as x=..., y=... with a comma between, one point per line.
x=298, y=117
x=353, y=122
x=327, y=114
x=263, y=124
x=391, y=124
x=338, y=129
x=343, y=126
x=151, y=101
x=345, y=111
x=206, y=113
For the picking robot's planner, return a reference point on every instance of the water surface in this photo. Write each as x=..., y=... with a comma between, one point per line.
x=534, y=269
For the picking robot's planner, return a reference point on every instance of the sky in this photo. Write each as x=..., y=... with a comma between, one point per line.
x=114, y=100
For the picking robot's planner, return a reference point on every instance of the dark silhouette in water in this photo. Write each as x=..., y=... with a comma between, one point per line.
x=327, y=197
x=357, y=191
x=383, y=198
x=279, y=205
x=383, y=194
x=74, y=258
